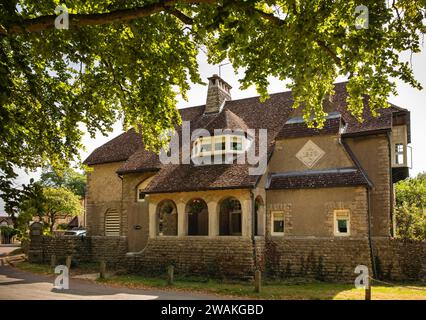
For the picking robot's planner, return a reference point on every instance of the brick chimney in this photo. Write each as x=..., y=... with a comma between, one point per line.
x=218, y=92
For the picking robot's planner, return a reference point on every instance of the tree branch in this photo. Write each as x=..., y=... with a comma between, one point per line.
x=279, y=22
x=77, y=20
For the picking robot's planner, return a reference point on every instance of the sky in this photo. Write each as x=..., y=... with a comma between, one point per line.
x=408, y=97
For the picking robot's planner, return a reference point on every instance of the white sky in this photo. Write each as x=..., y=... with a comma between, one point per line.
x=408, y=97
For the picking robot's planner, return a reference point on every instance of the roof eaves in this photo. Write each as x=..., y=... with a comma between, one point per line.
x=249, y=186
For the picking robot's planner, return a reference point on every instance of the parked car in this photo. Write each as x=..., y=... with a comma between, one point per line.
x=81, y=233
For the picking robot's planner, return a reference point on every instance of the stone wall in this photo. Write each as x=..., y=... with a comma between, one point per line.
x=400, y=260
x=320, y=258
x=230, y=257
x=374, y=156
x=82, y=249
x=260, y=254
x=104, y=192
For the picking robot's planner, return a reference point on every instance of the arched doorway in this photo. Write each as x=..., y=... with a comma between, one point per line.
x=198, y=217
x=166, y=218
x=230, y=217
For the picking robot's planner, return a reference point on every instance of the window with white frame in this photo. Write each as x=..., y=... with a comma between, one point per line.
x=277, y=225
x=219, y=145
x=342, y=222
x=399, y=153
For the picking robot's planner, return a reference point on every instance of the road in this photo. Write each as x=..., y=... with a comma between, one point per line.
x=16, y=284
x=5, y=249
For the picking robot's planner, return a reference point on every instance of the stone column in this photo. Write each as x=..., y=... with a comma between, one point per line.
x=213, y=219
x=152, y=220
x=261, y=220
x=182, y=219
x=246, y=207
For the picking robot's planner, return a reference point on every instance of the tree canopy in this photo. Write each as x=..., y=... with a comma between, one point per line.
x=131, y=59
x=49, y=205
x=68, y=178
x=411, y=208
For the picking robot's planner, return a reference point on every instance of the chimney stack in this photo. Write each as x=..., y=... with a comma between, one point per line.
x=218, y=92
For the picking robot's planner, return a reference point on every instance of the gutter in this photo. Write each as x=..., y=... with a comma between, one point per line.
x=391, y=205
x=370, y=187
x=370, y=242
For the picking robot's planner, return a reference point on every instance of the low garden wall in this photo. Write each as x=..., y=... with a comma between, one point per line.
x=82, y=249
x=327, y=259
x=398, y=259
x=230, y=257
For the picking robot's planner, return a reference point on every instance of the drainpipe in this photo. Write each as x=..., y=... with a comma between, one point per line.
x=253, y=213
x=370, y=242
x=391, y=207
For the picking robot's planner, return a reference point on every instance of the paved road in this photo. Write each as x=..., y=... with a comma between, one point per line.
x=17, y=284
x=5, y=249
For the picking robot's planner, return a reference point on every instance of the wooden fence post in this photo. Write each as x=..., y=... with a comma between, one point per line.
x=53, y=261
x=68, y=262
x=170, y=274
x=368, y=290
x=102, y=269
x=257, y=281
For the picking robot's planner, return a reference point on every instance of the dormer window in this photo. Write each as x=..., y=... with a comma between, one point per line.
x=219, y=145
x=399, y=148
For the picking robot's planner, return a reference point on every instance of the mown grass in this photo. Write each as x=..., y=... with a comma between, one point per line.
x=299, y=289
x=76, y=269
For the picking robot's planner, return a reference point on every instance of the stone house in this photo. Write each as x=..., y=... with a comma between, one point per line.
x=323, y=204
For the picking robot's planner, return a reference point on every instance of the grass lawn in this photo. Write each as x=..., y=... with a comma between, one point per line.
x=81, y=268
x=271, y=289
x=289, y=290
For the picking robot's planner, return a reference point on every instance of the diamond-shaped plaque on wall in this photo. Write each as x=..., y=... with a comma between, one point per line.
x=310, y=154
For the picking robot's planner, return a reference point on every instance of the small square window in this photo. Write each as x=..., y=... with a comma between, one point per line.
x=206, y=147
x=341, y=222
x=277, y=222
x=237, y=144
x=342, y=225
x=220, y=144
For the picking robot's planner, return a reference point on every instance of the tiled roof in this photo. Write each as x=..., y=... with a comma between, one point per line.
x=183, y=178
x=317, y=179
x=300, y=129
x=118, y=149
x=272, y=114
x=226, y=120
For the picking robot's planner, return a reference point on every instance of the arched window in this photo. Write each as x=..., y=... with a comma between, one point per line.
x=198, y=217
x=112, y=223
x=166, y=218
x=230, y=217
x=140, y=190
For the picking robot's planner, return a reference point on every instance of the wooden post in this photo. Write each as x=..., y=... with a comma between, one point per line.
x=368, y=290
x=102, y=269
x=53, y=261
x=68, y=262
x=257, y=281
x=170, y=275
